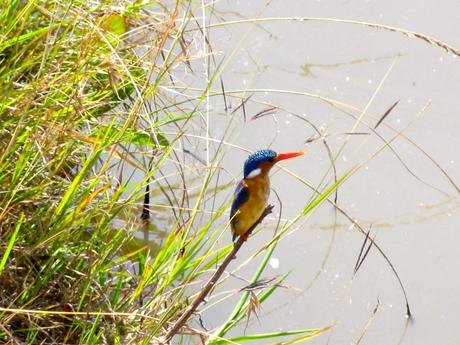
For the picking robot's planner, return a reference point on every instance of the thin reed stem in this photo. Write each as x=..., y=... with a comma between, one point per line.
x=213, y=280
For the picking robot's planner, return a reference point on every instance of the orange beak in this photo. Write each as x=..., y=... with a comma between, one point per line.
x=287, y=155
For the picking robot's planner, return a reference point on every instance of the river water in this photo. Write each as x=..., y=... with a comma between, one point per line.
x=310, y=69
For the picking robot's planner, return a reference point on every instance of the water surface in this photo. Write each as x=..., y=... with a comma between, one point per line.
x=330, y=73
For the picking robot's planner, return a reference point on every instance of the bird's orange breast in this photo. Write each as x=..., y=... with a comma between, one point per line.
x=250, y=211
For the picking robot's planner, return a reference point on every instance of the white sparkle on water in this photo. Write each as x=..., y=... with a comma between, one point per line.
x=274, y=263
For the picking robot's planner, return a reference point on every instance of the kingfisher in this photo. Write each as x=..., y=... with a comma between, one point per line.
x=252, y=192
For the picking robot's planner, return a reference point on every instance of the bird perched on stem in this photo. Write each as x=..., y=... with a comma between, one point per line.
x=252, y=192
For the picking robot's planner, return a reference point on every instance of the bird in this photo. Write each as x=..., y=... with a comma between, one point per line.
x=252, y=192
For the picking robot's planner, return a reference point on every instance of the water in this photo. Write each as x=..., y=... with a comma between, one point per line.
x=291, y=68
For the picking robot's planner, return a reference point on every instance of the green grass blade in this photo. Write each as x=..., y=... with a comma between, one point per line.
x=306, y=335
x=11, y=241
x=75, y=183
x=22, y=38
x=235, y=316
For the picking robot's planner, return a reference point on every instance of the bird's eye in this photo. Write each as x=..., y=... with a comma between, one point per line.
x=254, y=173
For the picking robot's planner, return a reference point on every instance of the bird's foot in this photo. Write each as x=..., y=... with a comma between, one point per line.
x=267, y=211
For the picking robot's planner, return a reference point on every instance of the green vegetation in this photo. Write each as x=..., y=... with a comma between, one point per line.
x=109, y=225
x=82, y=135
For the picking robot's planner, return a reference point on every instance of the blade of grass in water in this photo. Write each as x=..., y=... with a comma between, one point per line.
x=306, y=335
x=233, y=319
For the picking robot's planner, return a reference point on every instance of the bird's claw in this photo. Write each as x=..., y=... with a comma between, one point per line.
x=267, y=211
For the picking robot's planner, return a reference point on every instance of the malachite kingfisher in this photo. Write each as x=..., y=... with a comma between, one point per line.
x=252, y=192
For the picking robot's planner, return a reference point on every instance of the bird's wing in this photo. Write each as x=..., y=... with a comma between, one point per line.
x=240, y=197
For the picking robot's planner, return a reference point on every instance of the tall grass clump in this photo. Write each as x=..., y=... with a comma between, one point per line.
x=84, y=155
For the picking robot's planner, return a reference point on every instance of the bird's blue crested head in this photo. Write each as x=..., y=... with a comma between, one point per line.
x=254, y=160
